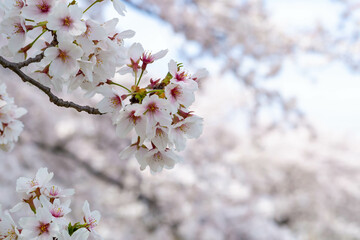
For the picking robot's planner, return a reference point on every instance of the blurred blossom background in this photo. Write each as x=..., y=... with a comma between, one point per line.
x=279, y=158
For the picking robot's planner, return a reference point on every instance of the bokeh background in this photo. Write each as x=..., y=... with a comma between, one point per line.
x=279, y=157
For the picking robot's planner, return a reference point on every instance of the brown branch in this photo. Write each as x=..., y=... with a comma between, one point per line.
x=60, y=150
x=38, y=57
x=27, y=62
x=15, y=67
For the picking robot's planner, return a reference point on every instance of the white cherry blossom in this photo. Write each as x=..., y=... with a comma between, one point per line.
x=48, y=219
x=57, y=209
x=111, y=103
x=127, y=120
x=63, y=59
x=52, y=191
x=119, y=7
x=91, y=218
x=28, y=185
x=66, y=20
x=39, y=227
x=157, y=160
x=190, y=127
x=38, y=10
x=177, y=95
x=14, y=28
x=160, y=137
x=8, y=228
x=155, y=110
x=132, y=61
x=181, y=77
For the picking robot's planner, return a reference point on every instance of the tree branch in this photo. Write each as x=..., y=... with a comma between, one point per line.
x=60, y=150
x=15, y=67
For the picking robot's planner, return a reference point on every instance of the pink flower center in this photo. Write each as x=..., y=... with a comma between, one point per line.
x=11, y=234
x=133, y=118
x=175, y=92
x=152, y=108
x=19, y=4
x=44, y=7
x=57, y=212
x=147, y=58
x=180, y=76
x=134, y=64
x=91, y=222
x=19, y=28
x=54, y=191
x=116, y=101
x=33, y=183
x=157, y=157
x=63, y=55
x=44, y=228
x=67, y=21
x=159, y=132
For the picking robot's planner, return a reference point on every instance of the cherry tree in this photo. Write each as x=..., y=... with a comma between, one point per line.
x=54, y=46
x=228, y=188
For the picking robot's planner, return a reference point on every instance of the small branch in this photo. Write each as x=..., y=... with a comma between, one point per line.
x=15, y=67
x=38, y=57
x=27, y=62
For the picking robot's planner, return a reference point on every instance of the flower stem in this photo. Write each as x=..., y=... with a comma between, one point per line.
x=142, y=72
x=156, y=90
x=92, y=5
x=117, y=84
x=135, y=77
x=44, y=31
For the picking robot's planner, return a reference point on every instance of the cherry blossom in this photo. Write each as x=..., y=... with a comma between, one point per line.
x=155, y=110
x=8, y=228
x=178, y=95
x=157, y=160
x=48, y=213
x=38, y=10
x=132, y=62
x=127, y=120
x=82, y=53
x=190, y=127
x=181, y=76
x=66, y=20
x=15, y=28
x=28, y=185
x=52, y=191
x=91, y=219
x=63, y=59
x=10, y=126
x=40, y=227
x=119, y=7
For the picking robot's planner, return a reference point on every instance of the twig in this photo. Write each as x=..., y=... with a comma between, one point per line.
x=38, y=57
x=15, y=67
x=27, y=62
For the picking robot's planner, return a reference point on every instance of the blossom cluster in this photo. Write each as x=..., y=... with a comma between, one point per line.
x=158, y=112
x=82, y=53
x=46, y=203
x=10, y=126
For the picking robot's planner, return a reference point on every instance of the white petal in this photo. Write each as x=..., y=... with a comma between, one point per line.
x=119, y=7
